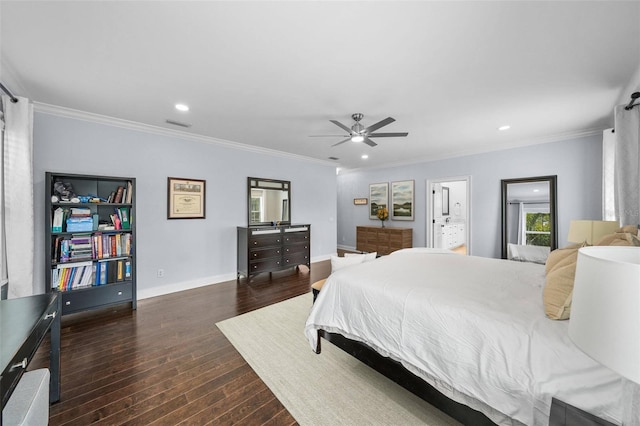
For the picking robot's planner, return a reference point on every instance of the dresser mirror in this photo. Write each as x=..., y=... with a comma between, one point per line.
x=269, y=201
x=529, y=216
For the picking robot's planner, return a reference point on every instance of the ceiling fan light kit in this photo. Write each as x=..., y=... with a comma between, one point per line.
x=358, y=133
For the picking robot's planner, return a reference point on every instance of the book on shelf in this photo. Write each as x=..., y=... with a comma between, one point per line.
x=127, y=269
x=58, y=220
x=123, y=215
x=129, y=197
x=71, y=276
x=120, y=273
x=80, y=211
x=117, y=198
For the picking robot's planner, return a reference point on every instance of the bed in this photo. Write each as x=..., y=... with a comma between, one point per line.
x=472, y=328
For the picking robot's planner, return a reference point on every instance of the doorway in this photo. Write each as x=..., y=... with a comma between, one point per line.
x=449, y=214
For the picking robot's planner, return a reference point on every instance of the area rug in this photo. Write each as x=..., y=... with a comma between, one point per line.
x=332, y=388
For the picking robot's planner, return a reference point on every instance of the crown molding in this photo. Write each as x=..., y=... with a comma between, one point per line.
x=147, y=128
x=484, y=149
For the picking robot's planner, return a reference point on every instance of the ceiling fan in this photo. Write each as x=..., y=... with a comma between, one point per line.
x=358, y=133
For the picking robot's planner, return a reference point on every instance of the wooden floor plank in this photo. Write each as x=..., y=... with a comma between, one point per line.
x=167, y=363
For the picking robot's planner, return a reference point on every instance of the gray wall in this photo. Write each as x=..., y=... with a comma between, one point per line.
x=192, y=252
x=576, y=162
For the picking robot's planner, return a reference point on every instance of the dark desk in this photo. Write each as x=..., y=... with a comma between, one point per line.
x=24, y=323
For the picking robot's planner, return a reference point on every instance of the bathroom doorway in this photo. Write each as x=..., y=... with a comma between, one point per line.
x=449, y=214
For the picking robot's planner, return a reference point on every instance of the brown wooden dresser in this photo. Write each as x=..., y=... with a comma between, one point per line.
x=383, y=240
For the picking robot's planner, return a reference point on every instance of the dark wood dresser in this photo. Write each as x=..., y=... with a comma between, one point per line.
x=383, y=240
x=273, y=248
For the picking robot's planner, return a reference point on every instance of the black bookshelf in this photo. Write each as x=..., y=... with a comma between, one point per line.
x=90, y=237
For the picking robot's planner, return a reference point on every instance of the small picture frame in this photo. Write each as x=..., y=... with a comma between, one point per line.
x=185, y=198
x=360, y=201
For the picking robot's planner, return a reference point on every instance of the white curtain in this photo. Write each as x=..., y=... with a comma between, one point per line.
x=608, y=175
x=17, y=186
x=627, y=163
x=522, y=238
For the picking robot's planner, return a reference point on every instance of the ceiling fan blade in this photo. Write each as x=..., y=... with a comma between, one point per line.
x=342, y=126
x=346, y=140
x=328, y=136
x=369, y=142
x=388, y=135
x=379, y=124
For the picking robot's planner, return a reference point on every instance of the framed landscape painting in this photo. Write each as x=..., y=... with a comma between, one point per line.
x=402, y=200
x=378, y=197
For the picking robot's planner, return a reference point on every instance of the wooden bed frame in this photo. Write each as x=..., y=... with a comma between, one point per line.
x=562, y=414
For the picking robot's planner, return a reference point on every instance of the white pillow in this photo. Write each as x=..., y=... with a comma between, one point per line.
x=343, y=262
x=367, y=256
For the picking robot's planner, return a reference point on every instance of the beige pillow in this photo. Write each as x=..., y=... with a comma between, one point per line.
x=631, y=229
x=633, y=240
x=617, y=239
x=558, y=255
x=558, y=289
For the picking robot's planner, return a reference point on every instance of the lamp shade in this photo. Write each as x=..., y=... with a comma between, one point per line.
x=605, y=310
x=590, y=230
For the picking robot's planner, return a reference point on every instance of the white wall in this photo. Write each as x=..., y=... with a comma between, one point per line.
x=576, y=162
x=191, y=252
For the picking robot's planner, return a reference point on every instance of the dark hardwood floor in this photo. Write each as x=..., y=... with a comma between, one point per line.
x=167, y=363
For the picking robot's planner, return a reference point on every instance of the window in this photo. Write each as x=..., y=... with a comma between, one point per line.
x=256, y=206
x=537, y=229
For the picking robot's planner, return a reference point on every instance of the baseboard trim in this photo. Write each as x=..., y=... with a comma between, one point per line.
x=175, y=287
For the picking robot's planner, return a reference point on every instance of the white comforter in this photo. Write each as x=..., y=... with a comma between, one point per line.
x=472, y=327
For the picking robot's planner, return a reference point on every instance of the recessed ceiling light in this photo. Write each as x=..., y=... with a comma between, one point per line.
x=536, y=190
x=364, y=156
x=505, y=127
x=182, y=107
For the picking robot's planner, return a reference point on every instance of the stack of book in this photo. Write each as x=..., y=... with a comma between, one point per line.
x=80, y=220
x=80, y=247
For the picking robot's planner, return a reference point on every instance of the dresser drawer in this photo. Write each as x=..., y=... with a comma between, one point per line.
x=259, y=254
x=296, y=237
x=258, y=241
x=272, y=264
x=295, y=259
x=82, y=299
x=295, y=248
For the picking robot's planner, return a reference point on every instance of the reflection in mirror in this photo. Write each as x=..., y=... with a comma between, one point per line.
x=529, y=218
x=269, y=201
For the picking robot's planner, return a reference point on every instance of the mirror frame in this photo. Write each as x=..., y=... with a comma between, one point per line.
x=553, y=207
x=284, y=185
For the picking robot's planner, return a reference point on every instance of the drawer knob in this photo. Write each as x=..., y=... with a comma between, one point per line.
x=22, y=364
x=68, y=302
x=119, y=293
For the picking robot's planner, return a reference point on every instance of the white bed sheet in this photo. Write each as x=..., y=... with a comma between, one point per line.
x=472, y=327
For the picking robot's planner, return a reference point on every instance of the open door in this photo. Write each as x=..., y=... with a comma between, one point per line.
x=448, y=219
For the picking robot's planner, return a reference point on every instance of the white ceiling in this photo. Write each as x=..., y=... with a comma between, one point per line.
x=272, y=73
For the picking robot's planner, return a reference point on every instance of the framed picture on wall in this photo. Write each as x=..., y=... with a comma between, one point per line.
x=402, y=200
x=185, y=198
x=445, y=201
x=378, y=198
